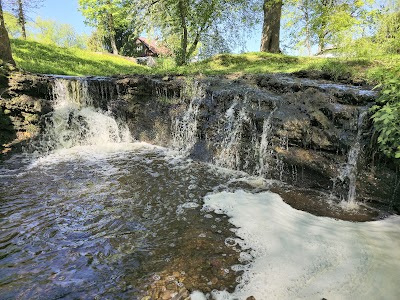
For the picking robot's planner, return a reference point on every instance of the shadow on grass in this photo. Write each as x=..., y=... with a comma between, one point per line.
x=255, y=62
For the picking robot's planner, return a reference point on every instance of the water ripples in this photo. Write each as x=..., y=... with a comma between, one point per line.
x=80, y=225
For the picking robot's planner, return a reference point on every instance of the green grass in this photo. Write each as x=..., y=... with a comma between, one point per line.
x=41, y=58
x=367, y=69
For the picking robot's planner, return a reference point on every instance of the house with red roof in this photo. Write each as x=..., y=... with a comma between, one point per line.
x=147, y=47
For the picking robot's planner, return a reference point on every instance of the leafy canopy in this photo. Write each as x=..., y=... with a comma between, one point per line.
x=326, y=23
x=63, y=35
x=186, y=24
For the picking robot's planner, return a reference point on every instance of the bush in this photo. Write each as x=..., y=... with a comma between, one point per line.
x=386, y=115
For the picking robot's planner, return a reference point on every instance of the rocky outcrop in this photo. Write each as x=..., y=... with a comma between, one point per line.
x=24, y=99
x=311, y=134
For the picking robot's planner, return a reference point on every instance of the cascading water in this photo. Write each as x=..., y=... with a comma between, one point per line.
x=265, y=150
x=72, y=92
x=137, y=222
x=74, y=121
x=349, y=170
x=231, y=130
x=184, y=129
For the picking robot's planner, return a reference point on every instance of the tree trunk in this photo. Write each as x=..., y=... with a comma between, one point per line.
x=111, y=30
x=21, y=18
x=5, y=47
x=271, y=26
x=306, y=13
x=182, y=56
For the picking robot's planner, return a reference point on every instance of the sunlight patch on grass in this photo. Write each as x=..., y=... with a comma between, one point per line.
x=49, y=59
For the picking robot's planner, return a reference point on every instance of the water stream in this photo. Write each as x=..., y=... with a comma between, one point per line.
x=94, y=215
x=350, y=168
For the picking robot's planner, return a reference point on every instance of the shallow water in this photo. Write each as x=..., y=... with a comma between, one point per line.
x=86, y=223
x=123, y=221
x=95, y=216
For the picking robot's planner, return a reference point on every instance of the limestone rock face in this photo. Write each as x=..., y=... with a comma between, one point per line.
x=24, y=99
x=309, y=133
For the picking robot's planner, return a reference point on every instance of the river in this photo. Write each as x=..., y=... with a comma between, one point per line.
x=102, y=217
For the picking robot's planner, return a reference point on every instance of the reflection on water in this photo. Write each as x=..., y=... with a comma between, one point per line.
x=84, y=224
x=129, y=220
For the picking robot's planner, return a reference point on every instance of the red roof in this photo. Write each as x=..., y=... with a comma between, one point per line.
x=154, y=47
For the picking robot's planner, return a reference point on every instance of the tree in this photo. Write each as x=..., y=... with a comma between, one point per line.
x=95, y=41
x=107, y=16
x=21, y=17
x=388, y=32
x=325, y=23
x=12, y=25
x=20, y=8
x=5, y=47
x=63, y=35
x=185, y=24
x=271, y=27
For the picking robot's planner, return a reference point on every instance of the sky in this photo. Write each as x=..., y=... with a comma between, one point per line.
x=63, y=11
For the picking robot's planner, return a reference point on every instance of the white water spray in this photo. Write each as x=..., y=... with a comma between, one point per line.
x=75, y=122
x=71, y=92
x=184, y=130
x=265, y=151
x=232, y=129
x=349, y=170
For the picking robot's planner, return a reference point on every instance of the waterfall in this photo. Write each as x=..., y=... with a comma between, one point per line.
x=68, y=92
x=229, y=155
x=85, y=91
x=349, y=170
x=184, y=129
x=75, y=121
x=264, y=150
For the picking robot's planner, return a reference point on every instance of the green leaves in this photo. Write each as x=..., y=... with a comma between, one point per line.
x=328, y=24
x=52, y=32
x=97, y=12
x=386, y=116
x=184, y=25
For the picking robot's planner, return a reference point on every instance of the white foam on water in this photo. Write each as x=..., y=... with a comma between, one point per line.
x=196, y=295
x=349, y=205
x=300, y=256
x=92, y=152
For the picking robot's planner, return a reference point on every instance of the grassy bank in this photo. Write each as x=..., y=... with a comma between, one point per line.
x=369, y=69
x=41, y=58
x=50, y=59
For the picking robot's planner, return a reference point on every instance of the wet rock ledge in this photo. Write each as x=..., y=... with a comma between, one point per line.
x=312, y=134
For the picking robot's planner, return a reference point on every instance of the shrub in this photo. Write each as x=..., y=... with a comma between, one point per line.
x=386, y=115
